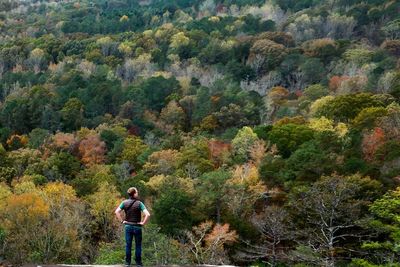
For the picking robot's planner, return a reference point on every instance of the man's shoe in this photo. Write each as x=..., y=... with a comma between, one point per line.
x=127, y=265
x=139, y=265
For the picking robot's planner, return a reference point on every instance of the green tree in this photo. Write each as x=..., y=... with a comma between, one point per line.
x=383, y=250
x=132, y=148
x=172, y=211
x=72, y=114
x=62, y=166
x=211, y=190
x=346, y=107
x=37, y=137
x=242, y=143
x=289, y=137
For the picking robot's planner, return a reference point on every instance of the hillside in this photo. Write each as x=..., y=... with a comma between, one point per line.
x=263, y=133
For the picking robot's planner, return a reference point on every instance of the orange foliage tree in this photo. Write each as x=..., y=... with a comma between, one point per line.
x=219, y=152
x=207, y=242
x=336, y=81
x=92, y=150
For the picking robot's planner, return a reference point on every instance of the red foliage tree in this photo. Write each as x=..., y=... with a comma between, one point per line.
x=371, y=142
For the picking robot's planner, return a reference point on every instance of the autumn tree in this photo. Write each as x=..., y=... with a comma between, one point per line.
x=244, y=188
x=102, y=205
x=66, y=226
x=371, y=142
x=207, y=242
x=195, y=158
x=92, y=150
x=22, y=218
x=173, y=115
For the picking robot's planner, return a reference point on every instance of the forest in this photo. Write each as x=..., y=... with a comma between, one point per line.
x=259, y=133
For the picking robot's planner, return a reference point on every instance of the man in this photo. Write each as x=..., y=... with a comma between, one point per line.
x=133, y=223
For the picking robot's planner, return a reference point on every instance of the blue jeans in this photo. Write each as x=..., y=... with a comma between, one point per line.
x=130, y=232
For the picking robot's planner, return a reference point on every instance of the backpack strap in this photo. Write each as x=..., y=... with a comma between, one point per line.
x=133, y=202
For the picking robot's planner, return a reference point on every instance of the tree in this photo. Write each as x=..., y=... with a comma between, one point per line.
x=276, y=97
x=211, y=191
x=66, y=226
x=371, y=143
x=195, y=158
x=346, y=107
x=206, y=242
x=37, y=59
x=89, y=180
x=173, y=115
x=231, y=116
x=325, y=48
x=217, y=239
x=219, y=152
x=102, y=204
x=107, y=45
x=328, y=213
x=23, y=218
x=62, y=142
x=382, y=249
x=368, y=116
x=243, y=190
x=172, y=211
x=393, y=46
x=134, y=68
x=132, y=147
x=162, y=162
x=289, y=137
x=315, y=91
x=37, y=137
x=62, y=166
x=242, y=143
x=92, y=150
x=309, y=162
x=265, y=55
x=273, y=225
x=72, y=114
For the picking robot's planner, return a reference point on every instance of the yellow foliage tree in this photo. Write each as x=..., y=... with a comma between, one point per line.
x=132, y=148
x=179, y=39
x=244, y=189
x=102, y=206
x=22, y=218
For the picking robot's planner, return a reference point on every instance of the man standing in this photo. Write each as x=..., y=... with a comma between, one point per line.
x=133, y=223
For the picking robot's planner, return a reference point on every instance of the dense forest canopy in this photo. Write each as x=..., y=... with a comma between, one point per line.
x=262, y=133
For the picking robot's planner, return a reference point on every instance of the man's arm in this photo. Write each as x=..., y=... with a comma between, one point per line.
x=146, y=214
x=118, y=213
x=146, y=217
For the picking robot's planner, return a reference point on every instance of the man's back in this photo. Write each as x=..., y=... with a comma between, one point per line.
x=133, y=210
